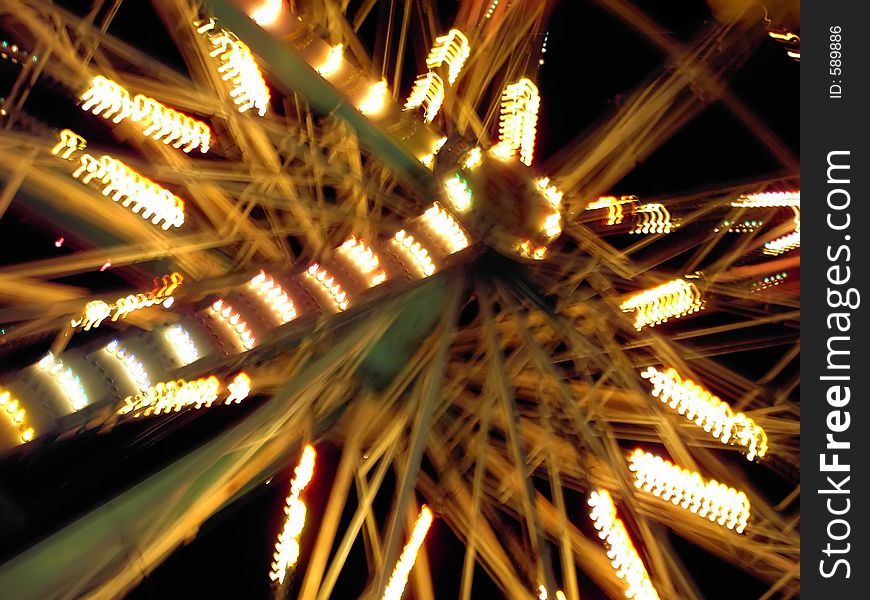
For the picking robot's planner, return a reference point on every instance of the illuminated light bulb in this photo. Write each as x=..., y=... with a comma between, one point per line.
x=526, y=249
x=551, y=192
x=69, y=142
x=110, y=100
x=172, y=396
x=273, y=295
x=458, y=193
x=233, y=322
x=429, y=90
x=747, y=226
x=332, y=62
x=399, y=578
x=544, y=595
x=615, y=213
x=237, y=67
x=708, y=499
x=673, y=299
x=375, y=99
x=443, y=226
x=328, y=285
x=239, y=388
x=452, y=49
x=363, y=259
x=11, y=409
x=58, y=242
x=68, y=382
x=472, y=159
x=267, y=12
x=520, y=102
x=182, y=344
x=415, y=252
x=707, y=411
x=429, y=159
x=552, y=226
x=768, y=281
x=96, y=311
x=492, y=6
x=134, y=368
x=287, y=546
x=621, y=551
x=652, y=218
x=767, y=199
x=787, y=242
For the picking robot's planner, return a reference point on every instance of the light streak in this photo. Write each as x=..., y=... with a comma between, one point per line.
x=526, y=249
x=182, y=344
x=111, y=100
x=375, y=99
x=429, y=159
x=237, y=67
x=133, y=366
x=96, y=311
x=472, y=158
x=11, y=408
x=233, y=321
x=442, y=225
x=458, y=193
x=673, y=299
x=707, y=411
x=429, y=90
x=413, y=250
x=621, y=551
x=267, y=13
x=364, y=260
x=287, y=546
x=271, y=292
x=329, y=286
x=766, y=199
x=332, y=62
x=451, y=48
x=544, y=595
x=239, y=388
x=768, y=282
x=68, y=382
x=520, y=102
x=550, y=192
x=787, y=242
x=68, y=142
x=747, y=226
x=615, y=213
x=399, y=579
x=708, y=499
x=653, y=218
x=552, y=226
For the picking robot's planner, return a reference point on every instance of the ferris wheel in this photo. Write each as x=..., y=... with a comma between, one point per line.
x=266, y=224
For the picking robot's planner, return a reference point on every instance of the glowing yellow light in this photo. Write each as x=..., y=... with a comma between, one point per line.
x=239, y=388
x=11, y=408
x=287, y=547
x=226, y=314
x=784, y=37
x=492, y=6
x=458, y=193
x=652, y=218
x=66, y=380
x=526, y=249
x=182, y=345
x=375, y=99
x=551, y=192
x=707, y=411
x=332, y=62
x=472, y=159
x=110, y=100
x=615, y=213
x=673, y=299
x=271, y=292
x=429, y=90
x=552, y=225
x=363, y=259
x=415, y=252
x=621, y=551
x=747, y=226
x=96, y=311
x=445, y=228
x=127, y=187
x=708, y=499
x=766, y=199
x=329, y=286
x=135, y=369
x=769, y=281
x=520, y=102
x=237, y=67
x=429, y=159
x=399, y=579
x=787, y=242
x=172, y=396
x=69, y=142
x=267, y=13
x=453, y=49
x=544, y=595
